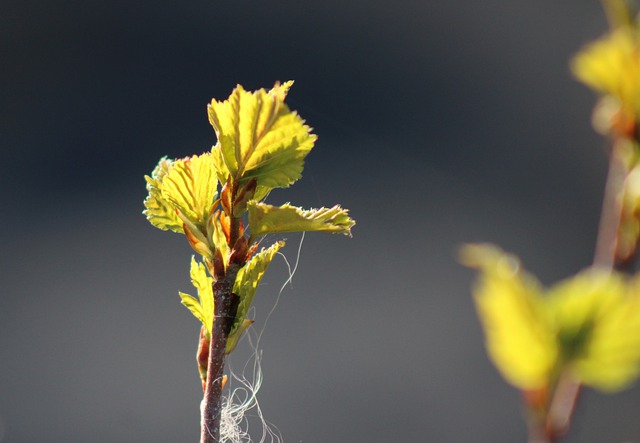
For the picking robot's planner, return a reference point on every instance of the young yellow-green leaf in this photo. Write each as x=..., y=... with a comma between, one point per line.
x=218, y=238
x=267, y=219
x=511, y=310
x=193, y=305
x=160, y=212
x=202, y=309
x=222, y=171
x=248, y=280
x=190, y=186
x=258, y=136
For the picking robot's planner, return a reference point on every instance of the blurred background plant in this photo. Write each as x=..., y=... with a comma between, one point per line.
x=585, y=330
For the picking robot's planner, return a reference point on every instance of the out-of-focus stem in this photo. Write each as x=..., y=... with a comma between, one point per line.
x=608, y=232
x=566, y=393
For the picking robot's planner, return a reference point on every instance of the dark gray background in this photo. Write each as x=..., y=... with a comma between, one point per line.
x=439, y=122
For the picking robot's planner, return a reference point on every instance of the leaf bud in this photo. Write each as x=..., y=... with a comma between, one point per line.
x=245, y=194
x=196, y=240
x=252, y=250
x=225, y=223
x=225, y=198
x=218, y=265
x=202, y=356
x=239, y=251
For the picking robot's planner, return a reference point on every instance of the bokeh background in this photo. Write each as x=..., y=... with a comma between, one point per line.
x=440, y=122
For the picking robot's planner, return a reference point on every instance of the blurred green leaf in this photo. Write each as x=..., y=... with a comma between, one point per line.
x=248, y=279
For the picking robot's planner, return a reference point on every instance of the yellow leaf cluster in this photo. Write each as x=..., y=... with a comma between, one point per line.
x=261, y=145
x=587, y=327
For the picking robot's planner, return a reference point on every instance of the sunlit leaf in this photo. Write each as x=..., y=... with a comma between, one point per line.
x=190, y=186
x=267, y=219
x=160, y=212
x=259, y=137
x=249, y=278
x=218, y=238
x=193, y=305
x=202, y=308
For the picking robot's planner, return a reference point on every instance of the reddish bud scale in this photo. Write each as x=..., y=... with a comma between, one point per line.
x=213, y=207
x=202, y=356
x=225, y=223
x=203, y=359
x=245, y=194
x=252, y=250
x=218, y=265
x=239, y=251
x=195, y=243
x=225, y=198
x=240, y=228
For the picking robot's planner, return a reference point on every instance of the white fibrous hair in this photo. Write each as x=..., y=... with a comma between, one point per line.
x=241, y=406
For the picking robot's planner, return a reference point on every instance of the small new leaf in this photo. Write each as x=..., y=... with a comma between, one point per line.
x=202, y=308
x=259, y=137
x=248, y=280
x=160, y=212
x=190, y=186
x=192, y=304
x=267, y=219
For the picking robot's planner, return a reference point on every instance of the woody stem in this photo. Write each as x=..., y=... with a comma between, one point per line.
x=212, y=402
x=225, y=306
